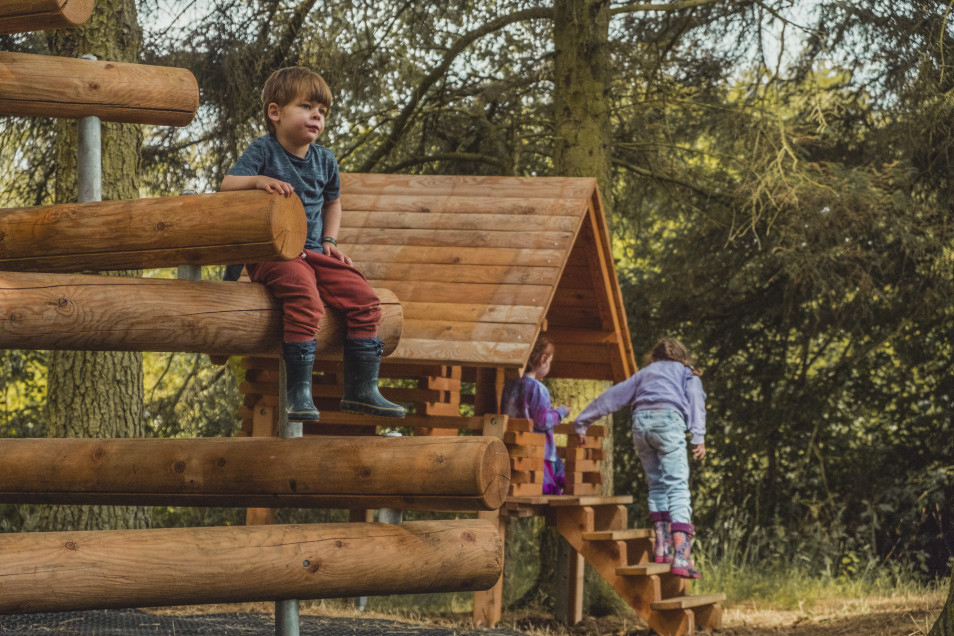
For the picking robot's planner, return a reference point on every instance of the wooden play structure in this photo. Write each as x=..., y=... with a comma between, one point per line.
x=482, y=266
x=471, y=270
x=44, y=305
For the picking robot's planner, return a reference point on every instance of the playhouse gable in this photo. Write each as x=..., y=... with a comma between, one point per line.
x=482, y=265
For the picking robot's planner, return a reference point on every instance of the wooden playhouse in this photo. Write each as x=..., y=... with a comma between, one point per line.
x=482, y=266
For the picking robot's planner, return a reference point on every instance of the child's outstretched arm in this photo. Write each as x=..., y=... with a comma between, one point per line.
x=256, y=182
x=613, y=399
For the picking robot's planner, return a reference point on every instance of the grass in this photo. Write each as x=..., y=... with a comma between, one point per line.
x=790, y=586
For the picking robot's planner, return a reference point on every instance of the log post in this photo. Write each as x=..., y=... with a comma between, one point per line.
x=429, y=473
x=488, y=604
x=248, y=226
x=568, y=605
x=178, y=566
x=101, y=313
x=49, y=86
x=20, y=16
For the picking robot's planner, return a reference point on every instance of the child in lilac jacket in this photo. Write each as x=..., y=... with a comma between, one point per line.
x=667, y=400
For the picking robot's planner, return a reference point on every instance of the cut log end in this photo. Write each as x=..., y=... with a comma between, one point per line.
x=495, y=474
x=76, y=12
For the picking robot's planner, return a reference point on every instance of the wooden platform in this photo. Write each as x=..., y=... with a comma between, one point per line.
x=537, y=506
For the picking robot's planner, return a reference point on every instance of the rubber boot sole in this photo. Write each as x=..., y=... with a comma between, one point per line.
x=303, y=416
x=361, y=408
x=686, y=573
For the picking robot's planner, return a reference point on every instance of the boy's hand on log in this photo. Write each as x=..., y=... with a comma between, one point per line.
x=333, y=251
x=274, y=186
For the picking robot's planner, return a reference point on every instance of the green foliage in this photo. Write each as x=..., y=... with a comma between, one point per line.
x=187, y=396
x=22, y=393
x=790, y=569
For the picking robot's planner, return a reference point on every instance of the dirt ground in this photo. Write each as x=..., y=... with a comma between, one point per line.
x=892, y=616
x=873, y=616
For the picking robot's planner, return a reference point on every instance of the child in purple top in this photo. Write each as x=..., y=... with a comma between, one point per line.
x=526, y=397
x=667, y=400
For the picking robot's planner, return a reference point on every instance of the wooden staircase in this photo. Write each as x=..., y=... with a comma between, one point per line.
x=596, y=528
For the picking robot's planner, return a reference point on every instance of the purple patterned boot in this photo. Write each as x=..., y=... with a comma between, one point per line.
x=662, y=547
x=682, y=564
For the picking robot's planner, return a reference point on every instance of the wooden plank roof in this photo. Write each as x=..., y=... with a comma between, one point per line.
x=482, y=265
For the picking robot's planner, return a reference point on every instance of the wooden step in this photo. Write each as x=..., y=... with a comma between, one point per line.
x=589, y=500
x=685, y=602
x=616, y=535
x=644, y=569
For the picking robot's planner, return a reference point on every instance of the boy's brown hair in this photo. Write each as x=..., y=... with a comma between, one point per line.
x=286, y=84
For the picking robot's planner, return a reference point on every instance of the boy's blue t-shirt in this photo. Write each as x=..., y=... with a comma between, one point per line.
x=315, y=178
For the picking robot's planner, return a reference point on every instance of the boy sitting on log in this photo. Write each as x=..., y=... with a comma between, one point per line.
x=287, y=161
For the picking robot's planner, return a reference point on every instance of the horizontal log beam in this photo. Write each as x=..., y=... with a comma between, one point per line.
x=249, y=226
x=431, y=473
x=111, y=313
x=178, y=566
x=49, y=86
x=20, y=16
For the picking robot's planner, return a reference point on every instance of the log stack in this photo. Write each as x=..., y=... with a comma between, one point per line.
x=46, y=304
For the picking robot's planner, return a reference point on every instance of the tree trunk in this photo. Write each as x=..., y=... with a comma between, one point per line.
x=581, y=125
x=92, y=394
x=945, y=622
x=581, y=144
x=581, y=149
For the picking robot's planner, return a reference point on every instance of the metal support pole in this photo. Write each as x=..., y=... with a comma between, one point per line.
x=89, y=159
x=385, y=515
x=189, y=272
x=287, y=618
x=391, y=515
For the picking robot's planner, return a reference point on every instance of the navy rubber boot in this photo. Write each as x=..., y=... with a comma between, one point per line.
x=299, y=362
x=362, y=361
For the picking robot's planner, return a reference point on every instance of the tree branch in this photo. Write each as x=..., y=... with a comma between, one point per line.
x=645, y=7
x=645, y=172
x=401, y=123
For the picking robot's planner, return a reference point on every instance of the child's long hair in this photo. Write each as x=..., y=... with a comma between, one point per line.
x=542, y=349
x=672, y=349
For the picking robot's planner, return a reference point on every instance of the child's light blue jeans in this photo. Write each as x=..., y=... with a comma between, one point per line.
x=660, y=439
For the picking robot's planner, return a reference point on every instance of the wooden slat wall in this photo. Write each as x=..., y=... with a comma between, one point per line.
x=481, y=264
